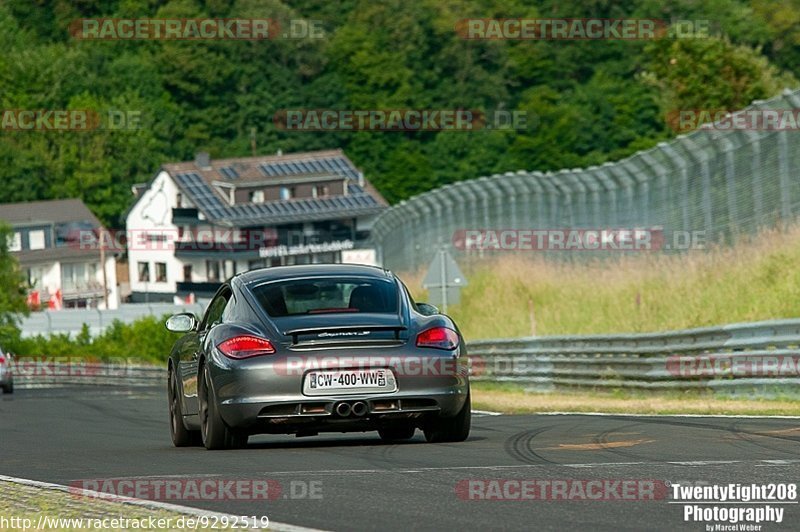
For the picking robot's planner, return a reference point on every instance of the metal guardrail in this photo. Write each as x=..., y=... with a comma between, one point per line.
x=761, y=356
x=733, y=358
x=43, y=372
x=70, y=321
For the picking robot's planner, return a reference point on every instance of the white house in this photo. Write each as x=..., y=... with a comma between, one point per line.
x=64, y=268
x=198, y=223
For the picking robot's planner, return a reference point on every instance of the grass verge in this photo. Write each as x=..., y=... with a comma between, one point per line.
x=513, y=399
x=518, y=294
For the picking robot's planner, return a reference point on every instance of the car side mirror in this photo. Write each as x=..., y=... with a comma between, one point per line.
x=426, y=309
x=181, y=323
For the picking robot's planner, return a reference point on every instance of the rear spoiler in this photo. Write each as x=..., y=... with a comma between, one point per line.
x=294, y=333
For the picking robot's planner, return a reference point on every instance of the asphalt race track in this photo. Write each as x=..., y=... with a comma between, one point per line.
x=360, y=483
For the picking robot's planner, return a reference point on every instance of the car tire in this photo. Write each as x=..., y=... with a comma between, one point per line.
x=181, y=436
x=9, y=388
x=215, y=433
x=397, y=432
x=453, y=429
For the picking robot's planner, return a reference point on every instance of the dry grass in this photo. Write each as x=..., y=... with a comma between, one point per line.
x=520, y=295
x=517, y=401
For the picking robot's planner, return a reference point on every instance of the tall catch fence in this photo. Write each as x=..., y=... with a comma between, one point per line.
x=714, y=182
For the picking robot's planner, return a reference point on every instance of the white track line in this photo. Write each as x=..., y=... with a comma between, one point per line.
x=690, y=463
x=153, y=505
x=487, y=413
x=611, y=414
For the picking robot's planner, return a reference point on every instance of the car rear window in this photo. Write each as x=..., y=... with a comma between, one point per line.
x=327, y=296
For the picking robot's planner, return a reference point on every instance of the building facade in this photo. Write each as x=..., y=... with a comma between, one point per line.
x=198, y=223
x=56, y=244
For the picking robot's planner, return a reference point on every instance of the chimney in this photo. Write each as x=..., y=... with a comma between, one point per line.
x=202, y=160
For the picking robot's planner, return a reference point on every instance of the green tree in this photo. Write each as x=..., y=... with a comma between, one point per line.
x=12, y=290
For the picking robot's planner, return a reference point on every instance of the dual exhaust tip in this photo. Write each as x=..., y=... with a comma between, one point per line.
x=357, y=409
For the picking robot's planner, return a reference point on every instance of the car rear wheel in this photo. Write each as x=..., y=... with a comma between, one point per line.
x=451, y=429
x=181, y=436
x=216, y=434
x=397, y=432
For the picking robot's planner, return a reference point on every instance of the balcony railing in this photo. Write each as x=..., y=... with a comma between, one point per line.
x=199, y=289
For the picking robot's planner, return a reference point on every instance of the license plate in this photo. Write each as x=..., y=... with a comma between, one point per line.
x=349, y=381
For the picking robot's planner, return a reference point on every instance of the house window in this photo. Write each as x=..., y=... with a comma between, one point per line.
x=178, y=200
x=257, y=196
x=187, y=273
x=229, y=268
x=144, y=272
x=212, y=271
x=161, y=272
x=15, y=242
x=287, y=193
x=73, y=277
x=319, y=191
x=36, y=277
x=36, y=239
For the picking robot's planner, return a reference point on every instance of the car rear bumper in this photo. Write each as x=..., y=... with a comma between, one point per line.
x=264, y=397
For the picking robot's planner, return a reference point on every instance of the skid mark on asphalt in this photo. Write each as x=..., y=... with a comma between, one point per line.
x=595, y=446
x=767, y=440
x=520, y=447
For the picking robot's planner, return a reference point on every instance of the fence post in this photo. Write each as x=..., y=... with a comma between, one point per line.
x=784, y=177
x=680, y=163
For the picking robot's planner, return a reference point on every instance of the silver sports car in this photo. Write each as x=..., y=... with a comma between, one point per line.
x=305, y=349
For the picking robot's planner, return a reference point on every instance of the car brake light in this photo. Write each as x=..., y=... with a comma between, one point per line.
x=245, y=347
x=439, y=338
x=2, y=360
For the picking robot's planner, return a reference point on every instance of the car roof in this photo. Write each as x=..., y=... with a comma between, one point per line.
x=275, y=273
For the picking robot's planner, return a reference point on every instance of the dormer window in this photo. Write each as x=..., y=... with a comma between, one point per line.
x=257, y=196
x=287, y=193
x=15, y=242
x=36, y=239
x=319, y=191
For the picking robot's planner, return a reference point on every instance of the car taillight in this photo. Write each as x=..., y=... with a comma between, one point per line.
x=438, y=337
x=2, y=360
x=245, y=347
